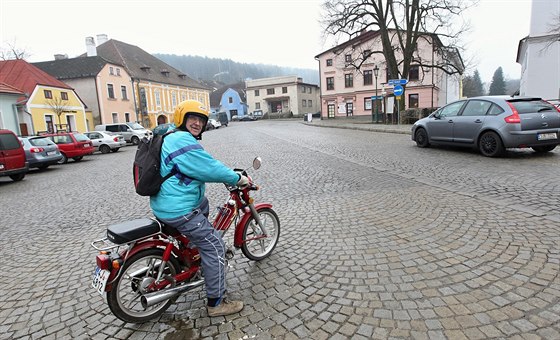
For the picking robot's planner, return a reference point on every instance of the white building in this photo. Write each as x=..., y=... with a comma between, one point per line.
x=278, y=96
x=539, y=52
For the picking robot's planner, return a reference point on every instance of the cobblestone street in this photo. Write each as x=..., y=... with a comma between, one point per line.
x=379, y=239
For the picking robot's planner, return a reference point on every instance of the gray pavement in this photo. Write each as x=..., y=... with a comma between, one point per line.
x=379, y=240
x=363, y=123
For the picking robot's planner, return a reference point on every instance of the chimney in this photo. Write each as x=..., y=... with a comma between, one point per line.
x=60, y=56
x=90, y=47
x=101, y=38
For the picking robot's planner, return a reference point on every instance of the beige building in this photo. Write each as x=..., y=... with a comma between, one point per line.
x=280, y=96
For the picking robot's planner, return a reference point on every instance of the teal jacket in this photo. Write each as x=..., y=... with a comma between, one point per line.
x=183, y=192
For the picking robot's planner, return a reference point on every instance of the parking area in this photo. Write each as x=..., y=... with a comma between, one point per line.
x=379, y=239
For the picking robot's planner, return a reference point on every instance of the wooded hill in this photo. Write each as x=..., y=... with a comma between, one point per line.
x=226, y=71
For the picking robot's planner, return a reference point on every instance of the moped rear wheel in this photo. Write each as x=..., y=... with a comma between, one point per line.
x=254, y=247
x=129, y=287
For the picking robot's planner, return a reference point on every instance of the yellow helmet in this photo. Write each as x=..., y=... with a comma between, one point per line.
x=187, y=107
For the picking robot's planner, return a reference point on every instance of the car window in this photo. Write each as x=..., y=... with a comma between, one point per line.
x=476, y=108
x=112, y=128
x=64, y=139
x=9, y=142
x=532, y=106
x=93, y=135
x=135, y=126
x=451, y=109
x=495, y=110
x=80, y=137
x=43, y=141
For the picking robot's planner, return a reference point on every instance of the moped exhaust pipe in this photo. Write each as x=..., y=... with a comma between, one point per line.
x=151, y=299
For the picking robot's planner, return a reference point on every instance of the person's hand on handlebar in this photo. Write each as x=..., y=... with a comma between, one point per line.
x=243, y=181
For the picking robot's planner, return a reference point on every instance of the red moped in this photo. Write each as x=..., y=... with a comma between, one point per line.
x=144, y=265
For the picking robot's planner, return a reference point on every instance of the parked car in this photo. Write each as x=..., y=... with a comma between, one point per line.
x=258, y=114
x=106, y=142
x=40, y=152
x=12, y=156
x=222, y=118
x=132, y=132
x=247, y=118
x=492, y=124
x=212, y=124
x=73, y=145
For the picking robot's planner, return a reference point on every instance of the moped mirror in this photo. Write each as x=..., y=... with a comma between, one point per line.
x=256, y=163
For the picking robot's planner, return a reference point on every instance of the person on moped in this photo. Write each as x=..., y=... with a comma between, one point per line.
x=181, y=201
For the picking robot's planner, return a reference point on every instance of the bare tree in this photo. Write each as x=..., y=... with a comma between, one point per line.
x=59, y=108
x=400, y=25
x=11, y=52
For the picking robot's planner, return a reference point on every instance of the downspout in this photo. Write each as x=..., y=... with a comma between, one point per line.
x=100, y=121
x=320, y=88
x=433, y=70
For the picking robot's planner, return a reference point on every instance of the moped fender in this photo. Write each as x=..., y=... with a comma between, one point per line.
x=238, y=237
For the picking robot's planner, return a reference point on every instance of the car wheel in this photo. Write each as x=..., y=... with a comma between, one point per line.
x=543, y=149
x=115, y=149
x=490, y=144
x=63, y=160
x=135, y=140
x=421, y=137
x=77, y=159
x=17, y=178
x=104, y=148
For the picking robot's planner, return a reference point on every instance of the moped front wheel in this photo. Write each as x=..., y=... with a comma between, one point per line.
x=256, y=246
x=133, y=282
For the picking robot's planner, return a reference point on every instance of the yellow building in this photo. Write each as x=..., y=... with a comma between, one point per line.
x=48, y=104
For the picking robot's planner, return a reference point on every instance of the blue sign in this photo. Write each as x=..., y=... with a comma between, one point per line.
x=398, y=90
x=398, y=81
x=376, y=97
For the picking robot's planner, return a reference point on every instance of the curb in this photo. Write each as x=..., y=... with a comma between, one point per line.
x=356, y=126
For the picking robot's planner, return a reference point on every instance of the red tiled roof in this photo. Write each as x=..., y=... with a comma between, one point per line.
x=5, y=88
x=24, y=76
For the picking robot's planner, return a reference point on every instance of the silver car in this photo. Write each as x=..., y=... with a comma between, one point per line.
x=40, y=152
x=106, y=142
x=492, y=124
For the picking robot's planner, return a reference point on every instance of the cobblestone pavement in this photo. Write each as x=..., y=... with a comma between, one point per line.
x=379, y=239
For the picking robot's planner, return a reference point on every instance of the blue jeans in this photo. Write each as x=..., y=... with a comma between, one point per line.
x=201, y=233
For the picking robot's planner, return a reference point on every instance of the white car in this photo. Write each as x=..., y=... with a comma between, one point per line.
x=213, y=124
x=106, y=142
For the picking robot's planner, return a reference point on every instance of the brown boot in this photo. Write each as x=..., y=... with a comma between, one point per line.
x=226, y=307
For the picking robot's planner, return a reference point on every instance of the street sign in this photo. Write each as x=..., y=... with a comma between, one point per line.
x=398, y=81
x=376, y=97
x=398, y=90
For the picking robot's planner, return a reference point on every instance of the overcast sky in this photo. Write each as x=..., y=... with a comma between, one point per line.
x=276, y=32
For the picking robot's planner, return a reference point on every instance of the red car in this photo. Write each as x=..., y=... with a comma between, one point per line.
x=12, y=156
x=73, y=145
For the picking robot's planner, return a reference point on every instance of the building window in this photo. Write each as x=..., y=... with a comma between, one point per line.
x=123, y=92
x=173, y=98
x=368, y=79
x=348, y=58
x=309, y=103
x=48, y=94
x=110, y=91
x=127, y=117
x=330, y=83
x=284, y=89
x=118, y=71
x=230, y=100
x=257, y=93
x=366, y=54
x=111, y=72
x=64, y=95
x=348, y=80
x=367, y=103
x=304, y=103
x=115, y=117
x=329, y=62
x=270, y=91
x=413, y=100
x=330, y=111
x=257, y=106
x=309, y=89
x=413, y=74
x=158, y=98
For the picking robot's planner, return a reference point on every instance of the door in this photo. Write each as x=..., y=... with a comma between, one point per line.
x=349, y=109
x=467, y=125
x=330, y=111
x=440, y=126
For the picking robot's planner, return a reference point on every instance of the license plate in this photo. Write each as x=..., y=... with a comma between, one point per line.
x=547, y=136
x=100, y=278
x=50, y=153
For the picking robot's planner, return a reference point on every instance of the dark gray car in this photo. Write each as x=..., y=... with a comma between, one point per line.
x=40, y=152
x=492, y=124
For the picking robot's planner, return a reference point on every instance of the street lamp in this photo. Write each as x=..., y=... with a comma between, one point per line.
x=376, y=73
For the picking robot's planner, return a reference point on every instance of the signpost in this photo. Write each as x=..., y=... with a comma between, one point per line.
x=398, y=90
x=397, y=81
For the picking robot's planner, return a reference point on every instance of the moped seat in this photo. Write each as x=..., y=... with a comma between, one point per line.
x=132, y=230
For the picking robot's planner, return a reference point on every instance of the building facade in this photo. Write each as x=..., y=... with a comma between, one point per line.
x=9, y=97
x=230, y=99
x=348, y=91
x=281, y=96
x=539, y=52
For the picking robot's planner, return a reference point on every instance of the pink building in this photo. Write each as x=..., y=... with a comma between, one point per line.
x=347, y=90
